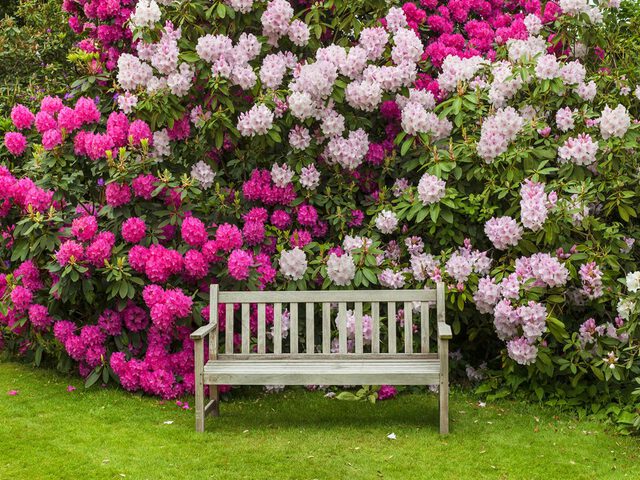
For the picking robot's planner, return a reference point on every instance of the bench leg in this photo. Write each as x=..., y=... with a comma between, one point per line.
x=213, y=407
x=199, y=384
x=443, y=387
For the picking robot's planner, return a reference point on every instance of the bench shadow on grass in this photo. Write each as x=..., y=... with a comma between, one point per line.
x=280, y=411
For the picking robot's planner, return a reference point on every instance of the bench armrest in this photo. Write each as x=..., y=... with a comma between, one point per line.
x=444, y=331
x=203, y=331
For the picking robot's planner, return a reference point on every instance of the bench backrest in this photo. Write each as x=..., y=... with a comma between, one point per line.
x=314, y=315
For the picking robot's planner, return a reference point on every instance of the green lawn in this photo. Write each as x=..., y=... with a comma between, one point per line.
x=47, y=432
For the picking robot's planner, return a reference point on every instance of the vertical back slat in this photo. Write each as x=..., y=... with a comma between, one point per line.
x=293, y=327
x=358, y=329
x=391, y=314
x=213, y=317
x=309, y=324
x=277, y=328
x=228, y=329
x=375, y=333
x=408, y=327
x=424, y=327
x=342, y=327
x=246, y=334
x=326, y=328
x=262, y=320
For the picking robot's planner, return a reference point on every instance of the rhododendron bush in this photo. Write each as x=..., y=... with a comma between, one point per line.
x=294, y=145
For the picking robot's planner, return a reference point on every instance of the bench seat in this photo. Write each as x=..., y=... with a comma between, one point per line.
x=414, y=371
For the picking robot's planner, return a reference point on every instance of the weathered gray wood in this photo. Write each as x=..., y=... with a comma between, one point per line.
x=228, y=328
x=309, y=327
x=303, y=296
x=246, y=332
x=203, y=331
x=213, y=319
x=328, y=372
x=444, y=334
x=293, y=327
x=358, y=328
x=198, y=349
x=277, y=328
x=408, y=327
x=424, y=327
x=375, y=334
x=262, y=319
x=342, y=327
x=311, y=367
x=326, y=328
x=391, y=328
x=327, y=356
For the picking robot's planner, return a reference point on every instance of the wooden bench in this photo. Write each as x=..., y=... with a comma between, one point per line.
x=272, y=361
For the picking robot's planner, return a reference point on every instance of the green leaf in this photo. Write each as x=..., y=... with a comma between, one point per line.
x=347, y=396
x=93, y=377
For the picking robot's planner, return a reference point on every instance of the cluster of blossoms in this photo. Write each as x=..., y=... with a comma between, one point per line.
x=280, y=202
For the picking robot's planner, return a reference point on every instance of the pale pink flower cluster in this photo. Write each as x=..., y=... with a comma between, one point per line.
x=341, y=269
x=591, y=277
x=587, y=91
x=229, y=61
x=203, y=174
x=487, y=295
x=242, y=6
x=299, y=137
x=456, y=70
x=522, y=351
x=416, y=120
x=348, y=152
x=497, y=132
x=257, y=121
x=146, y=14
x=293, y=263
x=276, y=19
x=364, y=95
x=281, y=175
x=547, y=67
x=466, y=261
x=310, y=177
x=431, y=189
x=545, y=269
x=564, y=119
x=373, y=41
x=573, y=73
x=520, y=49
x=614, y=123
x=535, y=204
x=386, y=221
x=390, y=279
x=396, y=19
x=533, y=24
x=580, y=150
x=273, y=69
x=349, y=244
x=504, y=85
x=424, y=265
x=407, y=48
x=503, y=232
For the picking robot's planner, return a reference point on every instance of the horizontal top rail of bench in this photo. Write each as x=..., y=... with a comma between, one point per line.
x=323, y=296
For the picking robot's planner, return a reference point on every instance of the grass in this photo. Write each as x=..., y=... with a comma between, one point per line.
x=47, y=432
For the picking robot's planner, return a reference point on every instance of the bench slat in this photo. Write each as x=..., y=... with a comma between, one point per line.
x=246, y=334
x=323, y=372
x=277, y=328
x=358, y=329
x=375, y=333
x=293, y=328
x=424, y=327
x=326, y=328
x=391, y=314
x=213, y=318
x=424, y=295
x=309, y=324
x=261, y=328
x=408, y=327
x=342, y=327
x=228, y=328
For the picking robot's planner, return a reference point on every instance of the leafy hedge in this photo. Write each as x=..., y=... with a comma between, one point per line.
x=335, y=145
